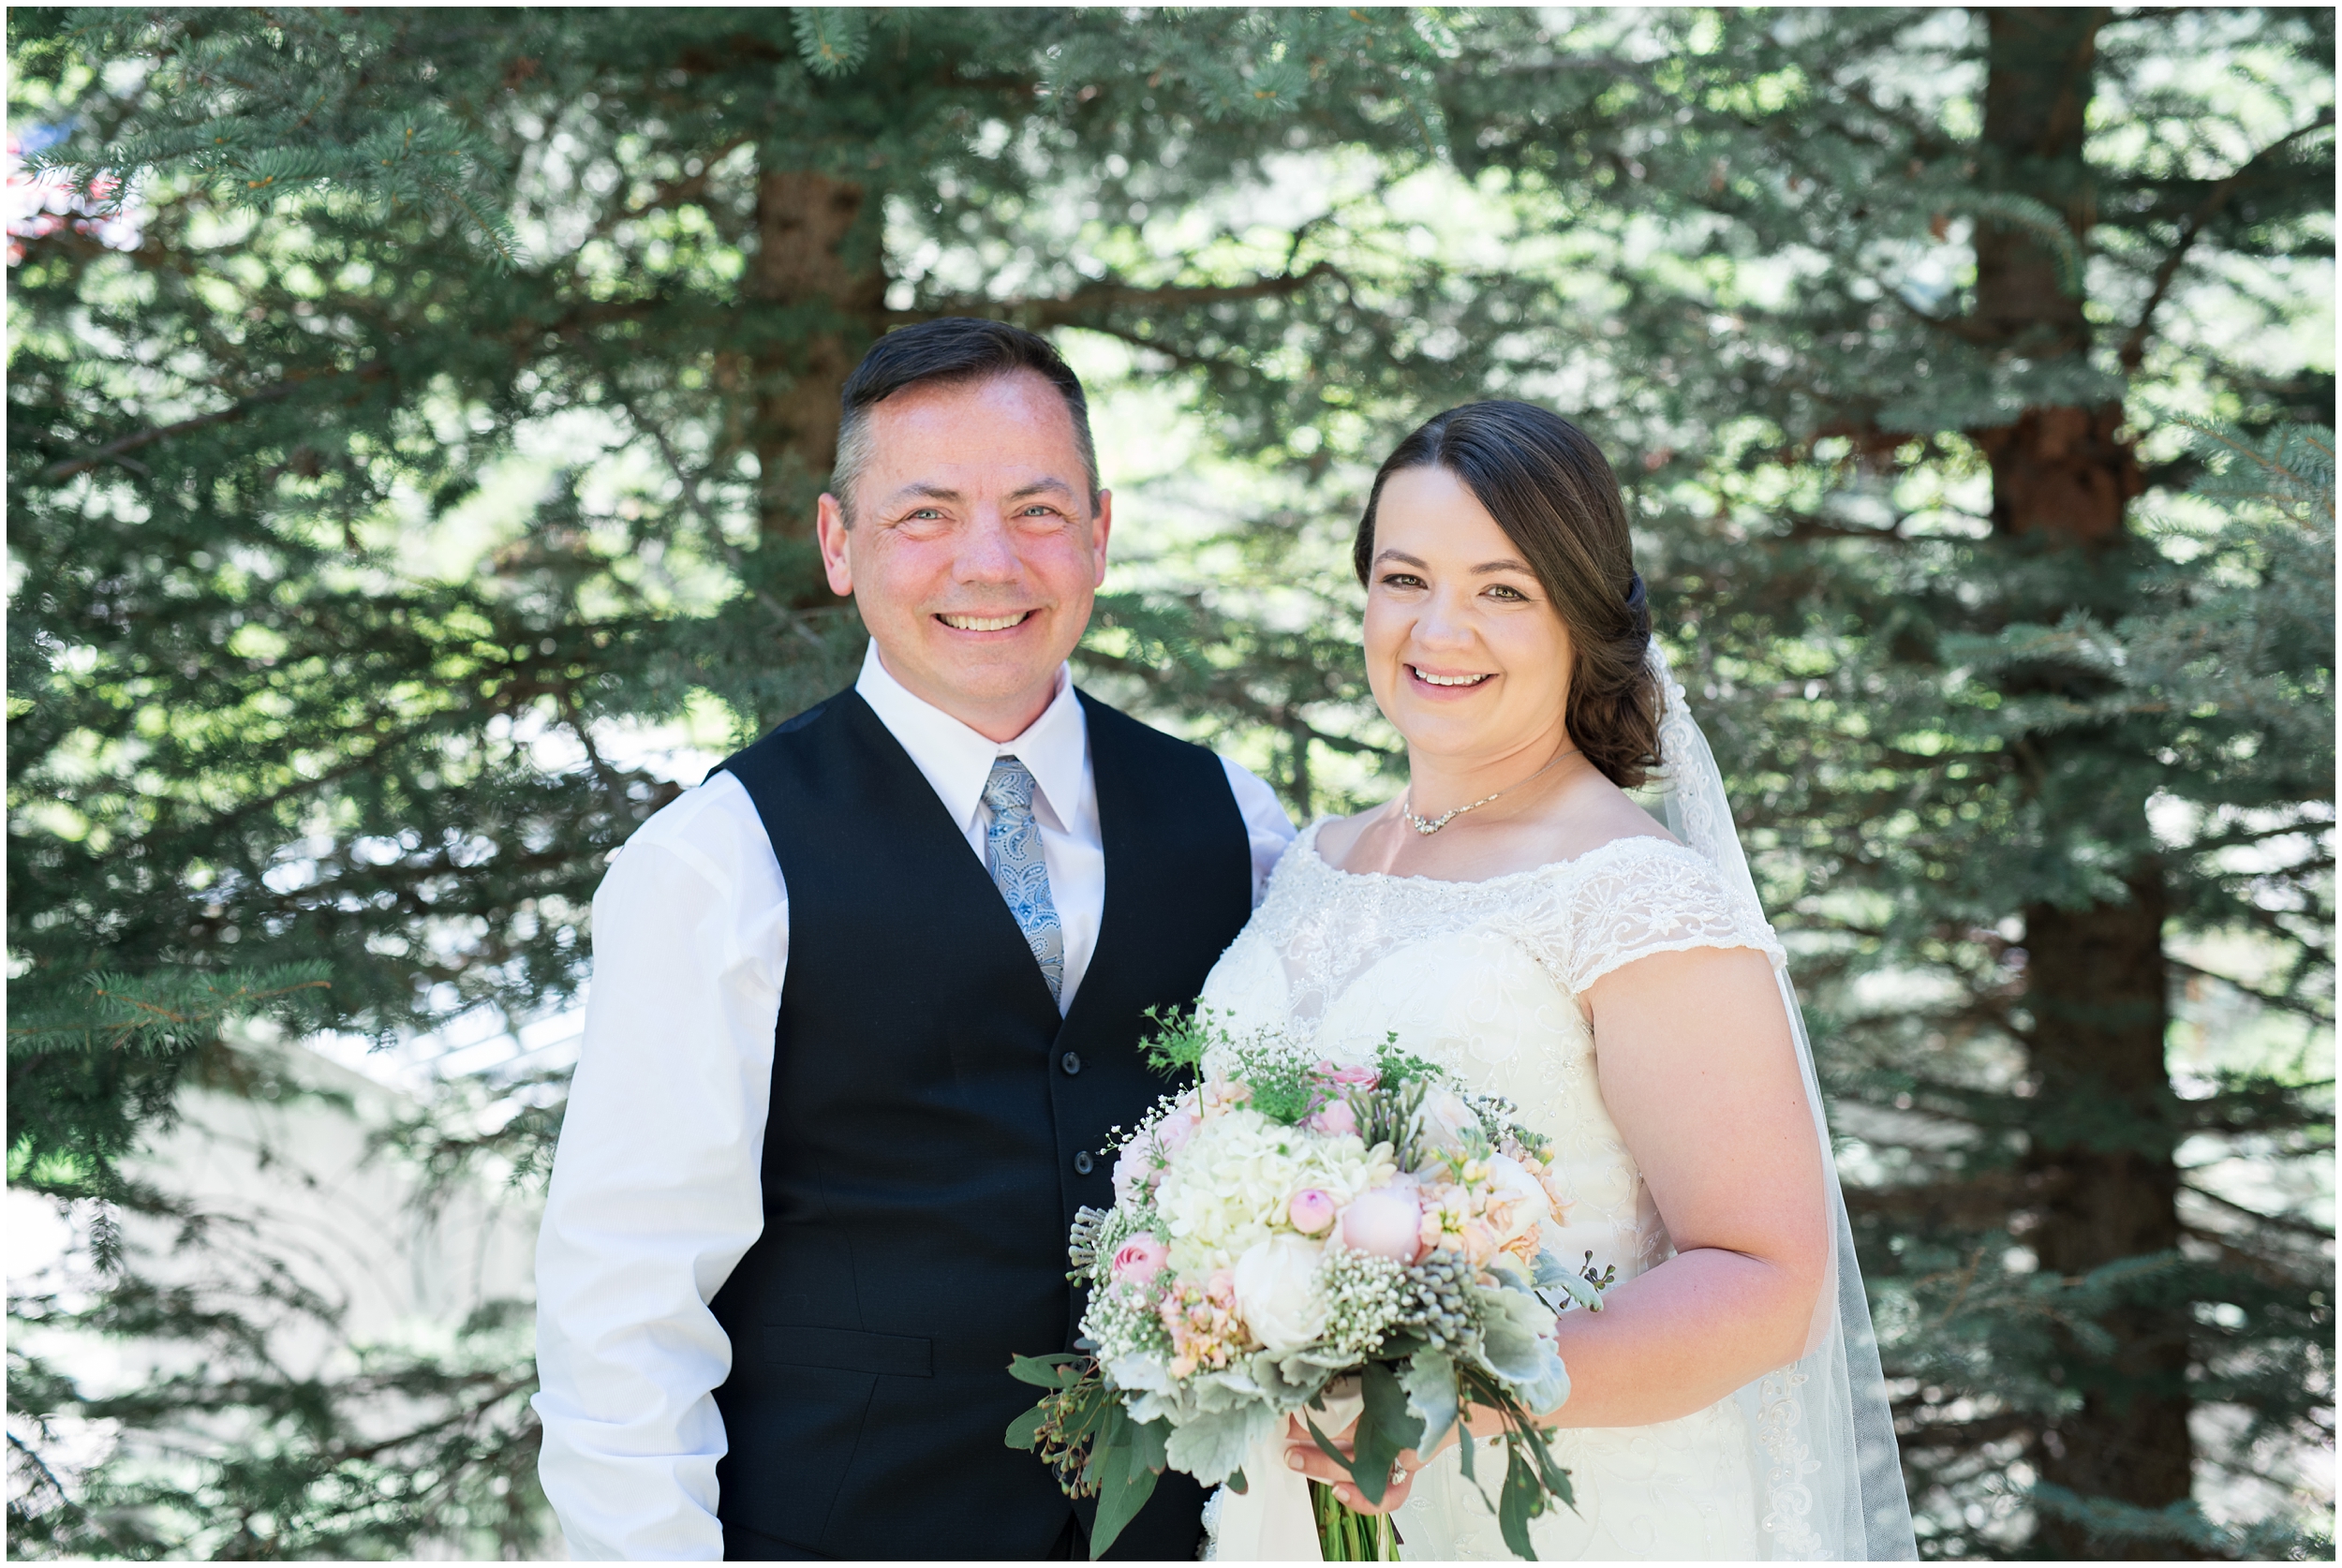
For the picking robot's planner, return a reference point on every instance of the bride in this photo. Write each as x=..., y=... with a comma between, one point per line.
x=1518, y=918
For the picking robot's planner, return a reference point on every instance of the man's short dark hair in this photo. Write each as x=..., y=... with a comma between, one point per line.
x=948, y=349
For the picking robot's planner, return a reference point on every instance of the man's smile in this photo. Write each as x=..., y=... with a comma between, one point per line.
x=986, y=622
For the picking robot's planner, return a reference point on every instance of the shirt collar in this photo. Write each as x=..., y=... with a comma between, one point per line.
x=957, y=760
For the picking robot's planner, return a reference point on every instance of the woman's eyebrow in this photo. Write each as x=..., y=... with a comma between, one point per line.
x=1507, y=564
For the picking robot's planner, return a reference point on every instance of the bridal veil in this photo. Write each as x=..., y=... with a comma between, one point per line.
x=1829, y=1479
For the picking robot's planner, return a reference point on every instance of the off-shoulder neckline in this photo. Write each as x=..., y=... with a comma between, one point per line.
x=1306, y=845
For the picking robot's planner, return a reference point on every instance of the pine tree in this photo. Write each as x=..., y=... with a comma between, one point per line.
x=2027, y=742
x=1887, y=314
x=296, y=742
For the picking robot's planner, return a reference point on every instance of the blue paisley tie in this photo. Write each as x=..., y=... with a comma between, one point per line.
x=1011, y=850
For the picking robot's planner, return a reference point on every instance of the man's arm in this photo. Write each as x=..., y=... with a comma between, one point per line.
x=656, y=1190
x=1266, y=823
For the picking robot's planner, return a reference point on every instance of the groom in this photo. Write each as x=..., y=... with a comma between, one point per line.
x=865, y=1006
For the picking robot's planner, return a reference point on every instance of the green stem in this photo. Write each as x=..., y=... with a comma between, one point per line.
x=1345, y=1535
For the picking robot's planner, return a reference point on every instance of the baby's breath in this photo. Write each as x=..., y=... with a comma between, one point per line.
x=1364, y=1296
x=1121, y=1323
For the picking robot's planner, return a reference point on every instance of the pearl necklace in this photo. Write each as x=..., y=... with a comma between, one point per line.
x=1430, y=825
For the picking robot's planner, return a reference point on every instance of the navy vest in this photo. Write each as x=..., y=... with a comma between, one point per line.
x=934, y=1126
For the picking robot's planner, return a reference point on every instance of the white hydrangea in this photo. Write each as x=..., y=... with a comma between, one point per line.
x=1233, y=1186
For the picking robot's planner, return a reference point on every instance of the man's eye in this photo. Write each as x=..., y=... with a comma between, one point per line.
x=1037, y=509
x=924, y=515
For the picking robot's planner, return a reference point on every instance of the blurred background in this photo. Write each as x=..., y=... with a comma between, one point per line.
x=414, y=421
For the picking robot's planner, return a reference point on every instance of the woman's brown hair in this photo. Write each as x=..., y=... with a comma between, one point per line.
x=1552, y=492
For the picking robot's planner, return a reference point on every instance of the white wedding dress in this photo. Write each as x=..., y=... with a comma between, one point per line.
x=1484, y=978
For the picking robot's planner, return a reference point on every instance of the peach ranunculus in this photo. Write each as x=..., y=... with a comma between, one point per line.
x=1220, y=1095
x=1517, y=1202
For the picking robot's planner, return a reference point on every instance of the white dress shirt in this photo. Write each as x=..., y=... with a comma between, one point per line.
x=657, y=1188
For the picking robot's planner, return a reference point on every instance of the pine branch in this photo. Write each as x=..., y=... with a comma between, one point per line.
x=112, y=450
x=1805, y=527
x=682, y=191
x=2286, y=1224
x=1970, y=1203
x=2133, y=351
x=2280, y=1274
x=1081, y=307
x=2267, y=1109
x=2278, y=1000
x=1962, y=1436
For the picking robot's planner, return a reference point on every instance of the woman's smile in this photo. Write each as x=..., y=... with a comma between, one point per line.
x=1449, y=680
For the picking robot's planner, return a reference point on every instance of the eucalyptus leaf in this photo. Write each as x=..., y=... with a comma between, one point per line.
x=1329, y=1449
x=1466, y=1448
x=1025, y=1432
x=1124, y=1485
x=1556, y=1478
x=1385, y=1428
x=1046, y=1371
x=1520, y=1504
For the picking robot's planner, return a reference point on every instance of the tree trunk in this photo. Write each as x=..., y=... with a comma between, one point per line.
x=817, y=276
x=2096, y=990
x=2097, y=984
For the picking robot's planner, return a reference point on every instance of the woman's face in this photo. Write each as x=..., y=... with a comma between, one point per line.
x=1465, y=652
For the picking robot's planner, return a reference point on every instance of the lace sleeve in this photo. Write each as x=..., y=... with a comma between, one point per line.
x=1638, y=897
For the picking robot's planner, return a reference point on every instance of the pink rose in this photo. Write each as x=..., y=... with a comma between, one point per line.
x=1385, y=1221
x=1364, y=1078
x=1173, y=1132
x=1335, y=1119
x=1139, y=1260
x=1311, y=1210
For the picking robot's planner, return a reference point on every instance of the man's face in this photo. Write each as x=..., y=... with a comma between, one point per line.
x=974, y=554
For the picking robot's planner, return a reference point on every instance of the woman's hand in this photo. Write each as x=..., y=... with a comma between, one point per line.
x=1302, y=1453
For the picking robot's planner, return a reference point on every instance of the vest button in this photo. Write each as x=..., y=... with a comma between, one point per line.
x=1083, y=1165
x=1071, y=1062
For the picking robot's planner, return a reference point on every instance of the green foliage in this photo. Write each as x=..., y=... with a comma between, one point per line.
x=1081, y=1430
x=1178, y=1042
x=94, y=1070
x=278, y=1462
x=321, y=667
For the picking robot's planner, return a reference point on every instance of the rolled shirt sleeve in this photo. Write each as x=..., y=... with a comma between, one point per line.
x=655, y=1189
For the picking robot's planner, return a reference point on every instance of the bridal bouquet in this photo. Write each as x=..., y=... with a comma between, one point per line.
x=1289, y=1237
